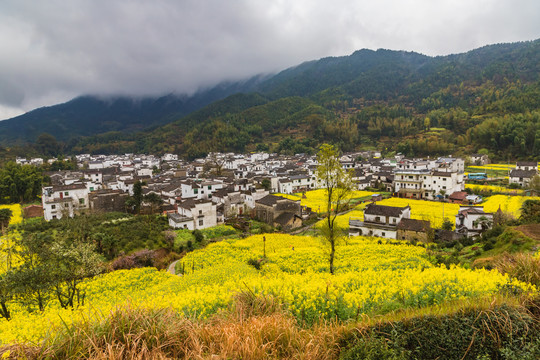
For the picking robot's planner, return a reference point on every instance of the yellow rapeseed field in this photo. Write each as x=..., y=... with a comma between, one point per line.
x=497, y=189
x=16, y=209
x=509, y=204
x=316, y=199
x=370, y=277
x=420, y=209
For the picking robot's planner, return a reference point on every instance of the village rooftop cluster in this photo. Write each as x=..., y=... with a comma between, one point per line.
x=208, y=191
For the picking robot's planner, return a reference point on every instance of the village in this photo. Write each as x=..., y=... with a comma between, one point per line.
x=209, y=191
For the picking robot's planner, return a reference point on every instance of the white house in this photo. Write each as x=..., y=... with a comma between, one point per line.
x=194, y=214
x=379, y=220
x=472, y=220
x=59, y=201
x=523, y=173
x=424, y=184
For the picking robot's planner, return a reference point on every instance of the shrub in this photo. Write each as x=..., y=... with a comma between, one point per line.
x=469, y=333
x=523, y=267
x=198, y=235
x=256, y=263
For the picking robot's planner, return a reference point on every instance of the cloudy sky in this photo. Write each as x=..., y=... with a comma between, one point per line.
x=54, y=50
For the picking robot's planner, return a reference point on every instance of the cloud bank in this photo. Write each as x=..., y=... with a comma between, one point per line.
x=55, y=50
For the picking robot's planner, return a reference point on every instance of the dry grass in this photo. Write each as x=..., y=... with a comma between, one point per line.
x=252, y=328
x=521, y=266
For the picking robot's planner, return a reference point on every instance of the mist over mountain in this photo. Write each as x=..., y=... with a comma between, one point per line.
x=368, y=98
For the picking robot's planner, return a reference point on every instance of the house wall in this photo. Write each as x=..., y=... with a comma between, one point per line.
x=369, y=231
x=204, y=215
x=412, y=235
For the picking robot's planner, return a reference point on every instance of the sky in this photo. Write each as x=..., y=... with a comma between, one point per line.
x=54, y=50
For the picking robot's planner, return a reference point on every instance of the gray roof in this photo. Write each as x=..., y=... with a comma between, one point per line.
x=383, y=210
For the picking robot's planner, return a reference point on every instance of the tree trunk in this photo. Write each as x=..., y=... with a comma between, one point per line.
x=332, y=254
x=4, y=312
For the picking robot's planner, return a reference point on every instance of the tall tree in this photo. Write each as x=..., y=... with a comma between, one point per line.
x=154, y=200
x=338, y=187
x=137, y=196
x=5, y=217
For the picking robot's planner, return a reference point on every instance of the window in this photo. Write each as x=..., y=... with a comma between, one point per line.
x=195, y=191
x=200, y=212
x=66, y=193
x=209, y=187
x=91, y=188
x=53, y=207
x=66, y=205
x=383, y=233
x=54, y=216
x=81, y=201
x=377, y=218
x=201, y=222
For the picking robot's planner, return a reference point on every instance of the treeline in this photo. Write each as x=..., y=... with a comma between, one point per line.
x=19, y=183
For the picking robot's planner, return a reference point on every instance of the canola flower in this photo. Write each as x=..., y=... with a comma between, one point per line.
x=370, y=277
x=492, y=188
x=509, y=204
x=16, y=217
x=317, y=201
x=420, y=209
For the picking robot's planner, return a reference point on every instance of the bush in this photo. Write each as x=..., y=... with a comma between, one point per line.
x=198, y=235
x=496, y=333
x=523, y=267
x=256, y=263
x=141, y=258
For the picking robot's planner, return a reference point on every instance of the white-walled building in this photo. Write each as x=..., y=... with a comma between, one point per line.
x=194, y=214
x=64, y=200
x=379, y=220
x=472, y=220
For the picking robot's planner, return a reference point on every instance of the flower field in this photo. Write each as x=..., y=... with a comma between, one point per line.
x=16, y=209
x=420, y=209
x=370, y=278
x=316, y=199
x=491, y=188
x=510, y=204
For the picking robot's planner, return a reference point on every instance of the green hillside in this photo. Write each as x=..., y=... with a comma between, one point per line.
x=487, y=98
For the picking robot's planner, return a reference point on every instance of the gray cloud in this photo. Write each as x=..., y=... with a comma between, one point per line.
x=55, y=50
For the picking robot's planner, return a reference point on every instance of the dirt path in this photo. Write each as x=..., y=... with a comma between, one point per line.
x=171, y=268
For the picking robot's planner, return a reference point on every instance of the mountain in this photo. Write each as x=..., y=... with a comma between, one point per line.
x=91, y=115
x=486, y=99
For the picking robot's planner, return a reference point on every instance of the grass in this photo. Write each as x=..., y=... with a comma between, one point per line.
x=213, y=233
x=258, y=328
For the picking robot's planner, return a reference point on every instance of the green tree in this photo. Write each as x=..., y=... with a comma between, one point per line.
x=154, y=200
x=5, y=217
x=338, y=187
x=137, y=196
x=47, y=145
x=535, y=183
x=447, y=224
x=19, y=183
